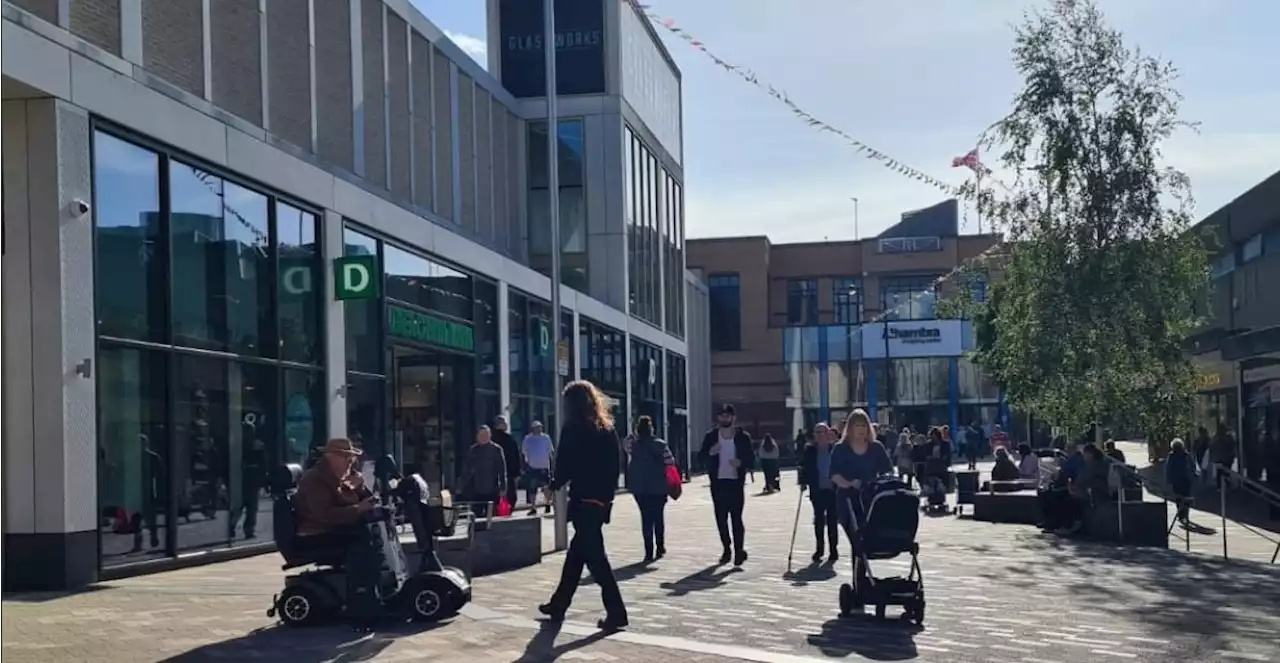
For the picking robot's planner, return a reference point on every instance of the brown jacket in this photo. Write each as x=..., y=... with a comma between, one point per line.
x=325, y=502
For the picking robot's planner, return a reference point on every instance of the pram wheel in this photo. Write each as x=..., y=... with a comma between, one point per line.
x=916, y=612
x=848, y=600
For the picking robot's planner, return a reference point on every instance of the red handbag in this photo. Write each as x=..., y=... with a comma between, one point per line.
x=503, y=509
x=675, y=486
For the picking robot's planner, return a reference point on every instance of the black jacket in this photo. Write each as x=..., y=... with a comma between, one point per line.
x=511, y=450
x=587, y=461
x=809, y=466
x=746, y=453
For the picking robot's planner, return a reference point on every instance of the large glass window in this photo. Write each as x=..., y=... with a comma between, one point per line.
x=846, y=295
x=802, y=302
x=602, y=352
x=363, y=316
x=301, y=285
x=651, y=208
x=132, y=291
x=674, y=257
x=573, y=205
x=486, y=330
x=909, y=297
x=646, y=382
x=726, y=312
x=416, y=280
x=222, y=271
x=133, y=452
x=217, y=266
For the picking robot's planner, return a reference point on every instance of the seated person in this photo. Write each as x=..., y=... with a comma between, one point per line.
x=1055, y=500
x=1029, y=465
x=1003, y=471
x=331, y=504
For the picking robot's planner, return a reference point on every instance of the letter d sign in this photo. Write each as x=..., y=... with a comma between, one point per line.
x=355, y=277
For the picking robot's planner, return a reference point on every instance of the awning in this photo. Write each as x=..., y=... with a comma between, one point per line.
x=1251, y=344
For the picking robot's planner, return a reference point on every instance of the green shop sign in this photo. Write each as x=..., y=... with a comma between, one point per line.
x=421, y=327
x=356, y=277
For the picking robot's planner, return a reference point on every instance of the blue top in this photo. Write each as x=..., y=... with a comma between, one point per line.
x=824, y=470
x=1179, y=469
x=1072, y=465
x=865, y=467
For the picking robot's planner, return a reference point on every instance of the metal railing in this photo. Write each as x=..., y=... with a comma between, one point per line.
x=1250, y=487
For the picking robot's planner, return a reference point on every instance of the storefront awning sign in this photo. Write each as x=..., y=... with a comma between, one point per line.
x=420, y=327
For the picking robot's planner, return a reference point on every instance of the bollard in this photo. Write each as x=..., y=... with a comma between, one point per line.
x=1222, y=493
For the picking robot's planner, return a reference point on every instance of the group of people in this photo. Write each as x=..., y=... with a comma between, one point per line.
x=496, y=466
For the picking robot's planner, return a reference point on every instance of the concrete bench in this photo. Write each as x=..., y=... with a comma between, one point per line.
x=1145, y=523
x=504, y=545
x=1021, y=507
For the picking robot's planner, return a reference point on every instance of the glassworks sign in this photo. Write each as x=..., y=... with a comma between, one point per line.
x=579, y=47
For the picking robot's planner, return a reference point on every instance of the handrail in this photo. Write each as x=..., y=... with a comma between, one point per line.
x=1133, y=473
x=1257, y=489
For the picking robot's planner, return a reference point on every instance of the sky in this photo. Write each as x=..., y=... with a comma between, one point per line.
x=919, y=81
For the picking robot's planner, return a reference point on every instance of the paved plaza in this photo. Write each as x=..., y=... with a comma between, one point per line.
x=995, y=593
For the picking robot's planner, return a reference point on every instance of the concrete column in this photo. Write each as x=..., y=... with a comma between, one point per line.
x=573, y=343
x=335, y=356
x=504, y=349
x=50, y=415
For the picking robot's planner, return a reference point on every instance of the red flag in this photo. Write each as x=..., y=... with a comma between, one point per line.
x=970, y=160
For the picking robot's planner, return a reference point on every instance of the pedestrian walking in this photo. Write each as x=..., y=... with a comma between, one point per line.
x=649, y=458
x=587, y=463
x=511, y=452
x=727, y=452
x=974, y=445
x=1180, y=473
x=856, y=462
x=769, y=454
x=537, y=450
x=485, y=471
x=815, y=477
x=903, y=453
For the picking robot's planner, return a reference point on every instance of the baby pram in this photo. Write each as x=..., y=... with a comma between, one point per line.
x=884, y=527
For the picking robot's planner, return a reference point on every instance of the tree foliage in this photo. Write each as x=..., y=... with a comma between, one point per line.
x=1096, y=285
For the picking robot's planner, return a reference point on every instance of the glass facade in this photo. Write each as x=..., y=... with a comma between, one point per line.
x=208, y=296
x=573, y=203
x=532, y=362
x=909, y=297
x=602, y=354
x=802, y=302
x=678, y=409
x=647, y=377
x=654, y=209
x=415, y=394
x=827, y=373
x=846, y=300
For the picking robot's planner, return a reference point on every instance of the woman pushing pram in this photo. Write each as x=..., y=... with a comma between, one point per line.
x=878, y=513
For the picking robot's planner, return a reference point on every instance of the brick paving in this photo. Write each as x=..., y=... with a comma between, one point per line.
x=995, y=592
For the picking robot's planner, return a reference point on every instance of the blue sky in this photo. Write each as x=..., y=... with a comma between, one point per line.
x=918, y=80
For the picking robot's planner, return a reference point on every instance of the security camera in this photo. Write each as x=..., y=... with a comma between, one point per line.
x=79, y=207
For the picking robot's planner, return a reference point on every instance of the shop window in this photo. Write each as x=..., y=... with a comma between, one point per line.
x=130, y=246
x=367, y=415
x=303, y=422
x=909, y=298
x=222, y=264
x=416, y=280
x=486, y=334
x=301, y=277
x=133, y=452
x=363, y=316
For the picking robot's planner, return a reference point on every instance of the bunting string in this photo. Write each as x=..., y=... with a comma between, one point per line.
x=669, y=25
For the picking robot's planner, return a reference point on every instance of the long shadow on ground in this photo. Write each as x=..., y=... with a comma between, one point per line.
x=312, y=645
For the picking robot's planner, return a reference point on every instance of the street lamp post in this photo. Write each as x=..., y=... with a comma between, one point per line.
x=553, y=184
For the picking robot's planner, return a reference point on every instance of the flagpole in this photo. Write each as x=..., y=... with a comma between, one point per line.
x=553, y=184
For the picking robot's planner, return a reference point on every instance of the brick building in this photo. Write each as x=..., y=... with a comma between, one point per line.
x=800, y=332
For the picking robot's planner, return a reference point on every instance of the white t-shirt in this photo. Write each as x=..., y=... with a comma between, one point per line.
x=537, y=451
x=728, y=452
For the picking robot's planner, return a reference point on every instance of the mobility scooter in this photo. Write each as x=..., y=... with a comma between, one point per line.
x=426, y=591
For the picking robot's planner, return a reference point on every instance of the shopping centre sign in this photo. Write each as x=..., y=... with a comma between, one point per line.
x=411, y=325
x=913, y=338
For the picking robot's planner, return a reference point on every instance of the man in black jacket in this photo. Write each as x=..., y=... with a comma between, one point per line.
x=727, y=453
x=511, y=451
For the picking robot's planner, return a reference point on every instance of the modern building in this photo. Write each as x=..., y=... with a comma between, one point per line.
x=1238, y=346
x=234, y=229
x=801, y=333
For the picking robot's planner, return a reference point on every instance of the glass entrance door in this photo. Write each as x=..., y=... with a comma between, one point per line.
x=431, y=413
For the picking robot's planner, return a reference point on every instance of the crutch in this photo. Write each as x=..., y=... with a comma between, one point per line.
x=794, y=528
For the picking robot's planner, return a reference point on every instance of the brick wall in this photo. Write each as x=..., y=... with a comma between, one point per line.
x=173, y=42
x=97, y=22
x=236, y=51
x=335, y=138
x=289, y=71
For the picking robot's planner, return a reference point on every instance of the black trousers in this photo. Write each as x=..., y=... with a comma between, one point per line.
x=586, y=550
x=770, y=468
x=363, y=565
x=826, y=524
x=727, y=496
x=653, y=525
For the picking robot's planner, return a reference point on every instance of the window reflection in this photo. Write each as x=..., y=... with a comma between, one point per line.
x=363, y=316
x=221, y=263
x=301, y=285
x=435, y=287
x=129, y=244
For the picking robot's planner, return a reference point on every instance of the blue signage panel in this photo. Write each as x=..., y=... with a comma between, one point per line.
x=580, y=37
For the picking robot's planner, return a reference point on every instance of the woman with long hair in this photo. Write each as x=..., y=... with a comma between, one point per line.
x=859, y=460
x=588, y=464
x=647, y=480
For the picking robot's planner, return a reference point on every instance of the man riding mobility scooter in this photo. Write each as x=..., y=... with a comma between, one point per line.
x=368, y=554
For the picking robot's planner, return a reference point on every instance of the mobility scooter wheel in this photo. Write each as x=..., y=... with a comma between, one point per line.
x=917, y=614
x=298, y=606
x=433, y=599
x=880, y=610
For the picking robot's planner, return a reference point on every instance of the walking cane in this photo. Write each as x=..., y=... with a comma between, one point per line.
x=794, y=527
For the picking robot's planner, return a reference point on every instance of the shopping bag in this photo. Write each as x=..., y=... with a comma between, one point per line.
x=675, y=486
x=504, y=508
